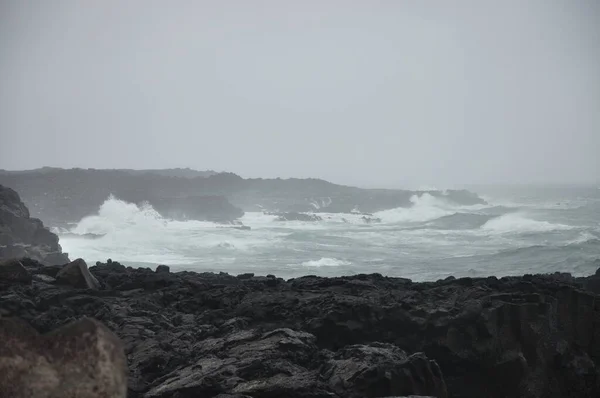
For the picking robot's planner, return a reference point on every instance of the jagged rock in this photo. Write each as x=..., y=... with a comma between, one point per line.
x=77, y=275
x=382, y=369
x=23, y=236
x=163, y=269
x=14, y=271
x=536, y=336
x=81, y=359
x=282, y=363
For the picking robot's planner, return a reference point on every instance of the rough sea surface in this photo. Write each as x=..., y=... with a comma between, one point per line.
x=520, y=230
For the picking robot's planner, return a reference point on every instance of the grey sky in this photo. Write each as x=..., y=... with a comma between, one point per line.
x=387, y=93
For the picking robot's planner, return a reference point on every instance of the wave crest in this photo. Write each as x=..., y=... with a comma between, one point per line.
x=115, y=214
x=325, y=262
x=519, y=223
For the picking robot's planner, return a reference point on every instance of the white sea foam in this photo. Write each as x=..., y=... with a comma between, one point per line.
x=138, y=233
x=405, y=243
x=425, y=207
x=325, y=262
x=520, y=223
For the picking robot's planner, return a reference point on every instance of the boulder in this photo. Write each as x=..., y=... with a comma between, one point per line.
x=82, y=359
x=14, y=271
x=163, y=269
x=76, y=274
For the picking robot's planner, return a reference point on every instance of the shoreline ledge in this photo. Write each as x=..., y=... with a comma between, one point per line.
x=188, y=334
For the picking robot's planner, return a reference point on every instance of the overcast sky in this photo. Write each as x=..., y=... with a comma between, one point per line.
x=388, y=93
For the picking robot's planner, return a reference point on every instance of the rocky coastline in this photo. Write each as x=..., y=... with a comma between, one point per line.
x=187, y=334
x=62, y=196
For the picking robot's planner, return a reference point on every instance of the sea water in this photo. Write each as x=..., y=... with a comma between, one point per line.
x=518, y=231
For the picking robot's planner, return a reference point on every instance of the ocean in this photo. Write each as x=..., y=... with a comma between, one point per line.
x=520, y=230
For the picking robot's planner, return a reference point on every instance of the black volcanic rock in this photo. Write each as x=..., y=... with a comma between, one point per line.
x=189, y=335
x=162, y=269
x=13, y=271
x=76, y=274
x=23, y=236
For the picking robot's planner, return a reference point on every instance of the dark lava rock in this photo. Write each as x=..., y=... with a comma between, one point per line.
x=381, y=369
x=22, y=236
x=163, y=269
x=189, y=335
x=77, y=275
x=14, y=271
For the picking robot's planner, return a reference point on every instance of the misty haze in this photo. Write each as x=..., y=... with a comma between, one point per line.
x=211, y=181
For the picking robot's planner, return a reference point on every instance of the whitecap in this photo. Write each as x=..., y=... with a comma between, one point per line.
x=325, y=262
x=519, y=223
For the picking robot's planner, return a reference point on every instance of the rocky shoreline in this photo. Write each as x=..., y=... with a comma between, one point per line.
x=205, y=335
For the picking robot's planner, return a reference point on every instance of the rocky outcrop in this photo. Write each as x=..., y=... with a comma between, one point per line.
x=81, y=359
x=23, y=236
x=188, y=334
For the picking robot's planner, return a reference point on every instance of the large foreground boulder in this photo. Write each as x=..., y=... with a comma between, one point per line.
x=82, y=359
x=23, y=236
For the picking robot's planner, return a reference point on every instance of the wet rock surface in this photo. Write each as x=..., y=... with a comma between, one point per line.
x=190, y=335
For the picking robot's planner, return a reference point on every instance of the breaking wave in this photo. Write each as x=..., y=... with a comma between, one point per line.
x=325, y=262
x=424, y=207
x=433, y=236
x=519, y=223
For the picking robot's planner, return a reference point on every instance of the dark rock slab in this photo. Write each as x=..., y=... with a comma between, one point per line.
x=76, y=274
x=163, y=269
x=14, y=271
